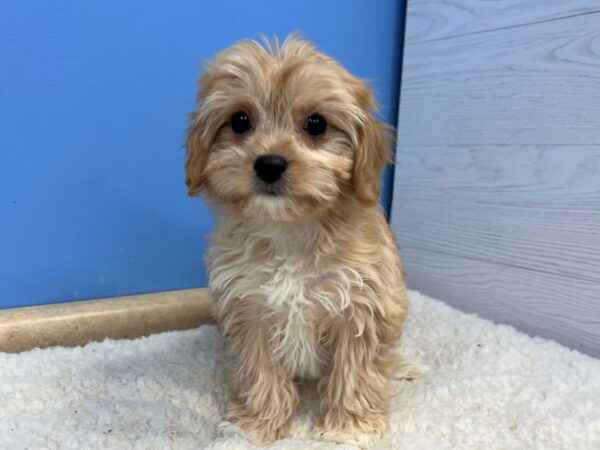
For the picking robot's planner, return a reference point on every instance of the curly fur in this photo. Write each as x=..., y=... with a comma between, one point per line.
x=308, y=282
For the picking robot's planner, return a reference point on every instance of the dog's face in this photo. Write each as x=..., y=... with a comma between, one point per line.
x=283, y=134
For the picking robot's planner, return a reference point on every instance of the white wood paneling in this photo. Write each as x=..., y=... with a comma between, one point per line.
x=439, y=19
x=497, y=186
x=531, y=207
x=559, y=308
x=510, y=232
x=538, y=84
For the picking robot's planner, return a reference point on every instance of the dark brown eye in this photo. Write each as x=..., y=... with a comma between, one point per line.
x=315, y=125
x=240, y=122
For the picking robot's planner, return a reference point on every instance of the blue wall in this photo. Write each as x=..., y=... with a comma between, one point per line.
x=93, y=104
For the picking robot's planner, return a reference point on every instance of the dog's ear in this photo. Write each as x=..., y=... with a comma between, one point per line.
x=372, y=153
x=196, y=157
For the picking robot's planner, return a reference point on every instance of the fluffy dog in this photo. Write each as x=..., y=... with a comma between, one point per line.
x=304, y=269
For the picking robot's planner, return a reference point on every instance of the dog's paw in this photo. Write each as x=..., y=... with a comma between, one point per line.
x=256, y=435
x=361, y=432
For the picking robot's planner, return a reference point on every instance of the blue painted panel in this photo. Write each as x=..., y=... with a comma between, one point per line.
x=94, y=97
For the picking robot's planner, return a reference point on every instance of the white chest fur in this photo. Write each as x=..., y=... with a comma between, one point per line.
x=290, y=288
x=290, y=295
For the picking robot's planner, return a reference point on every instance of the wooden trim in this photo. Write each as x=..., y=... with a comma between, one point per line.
x=77, y=323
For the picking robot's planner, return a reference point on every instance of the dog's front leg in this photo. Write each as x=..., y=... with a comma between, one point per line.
x=355, y=390
x=265, y=394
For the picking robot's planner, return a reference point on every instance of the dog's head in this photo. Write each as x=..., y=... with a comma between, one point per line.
x=283, y=133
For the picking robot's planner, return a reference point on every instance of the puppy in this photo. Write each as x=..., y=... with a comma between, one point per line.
x=304, y=269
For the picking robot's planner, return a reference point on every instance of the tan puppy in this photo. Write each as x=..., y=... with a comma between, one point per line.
x=303, y=266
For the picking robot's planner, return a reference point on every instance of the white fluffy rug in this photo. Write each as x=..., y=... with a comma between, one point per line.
x=485, y=386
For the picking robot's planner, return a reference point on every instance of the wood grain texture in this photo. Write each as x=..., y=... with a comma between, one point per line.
x=535, y=208
x=538, y=84
x=559, y=308
x=439, y=19
x=496, y=197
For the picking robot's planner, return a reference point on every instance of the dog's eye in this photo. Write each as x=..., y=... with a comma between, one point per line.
x=315, y=125
x=240, y=122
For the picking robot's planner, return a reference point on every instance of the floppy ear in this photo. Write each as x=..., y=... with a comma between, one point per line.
x=372, y=154
x=196, y=157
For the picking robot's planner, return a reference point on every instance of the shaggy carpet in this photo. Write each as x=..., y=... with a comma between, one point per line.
x=483, y=386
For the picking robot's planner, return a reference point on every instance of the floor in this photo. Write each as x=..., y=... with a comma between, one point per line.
x=483, y=386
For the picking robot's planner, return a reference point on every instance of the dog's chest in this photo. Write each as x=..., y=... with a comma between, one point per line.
x=293, y=292
x=290, y=291
x=290, y=294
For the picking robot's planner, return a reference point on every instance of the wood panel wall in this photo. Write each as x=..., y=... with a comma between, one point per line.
x=497, y=185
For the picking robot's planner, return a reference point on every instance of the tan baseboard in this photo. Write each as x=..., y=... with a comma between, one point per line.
x=77, y=323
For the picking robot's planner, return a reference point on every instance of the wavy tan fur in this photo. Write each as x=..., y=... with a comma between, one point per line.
x=308, y=282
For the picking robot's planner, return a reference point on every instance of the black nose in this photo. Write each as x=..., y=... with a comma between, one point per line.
x=270, y=168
